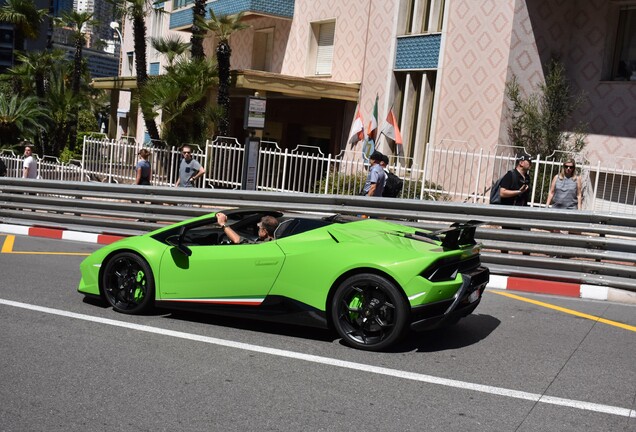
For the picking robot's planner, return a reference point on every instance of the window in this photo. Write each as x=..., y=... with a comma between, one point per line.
x=321, y=50
x=414, y=107
x=130, y=55
x=624, y=64
x=156, y=25
x=423, y=16
x=153, y=69
x=176, y=4
x=262, y=50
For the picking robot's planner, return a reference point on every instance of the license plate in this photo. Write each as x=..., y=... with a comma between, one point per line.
x=473, y=296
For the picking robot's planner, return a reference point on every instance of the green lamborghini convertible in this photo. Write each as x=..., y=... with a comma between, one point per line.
x=368, y=279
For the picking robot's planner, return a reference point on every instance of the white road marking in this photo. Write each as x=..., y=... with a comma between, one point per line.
x=499, y=391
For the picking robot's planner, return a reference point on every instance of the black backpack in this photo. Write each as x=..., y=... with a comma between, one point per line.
x=3, y=168
x=495, y=197
x=393, y=185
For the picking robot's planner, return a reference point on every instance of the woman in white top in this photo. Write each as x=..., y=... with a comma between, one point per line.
x=565, y=190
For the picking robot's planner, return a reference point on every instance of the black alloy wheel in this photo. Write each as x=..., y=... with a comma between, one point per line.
x=128, y=284
x=369, y=312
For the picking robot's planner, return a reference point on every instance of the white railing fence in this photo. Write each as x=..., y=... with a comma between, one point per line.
x=451, y=172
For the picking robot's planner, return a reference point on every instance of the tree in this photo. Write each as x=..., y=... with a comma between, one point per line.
x=222, y=27
x=26, y=18
x=136, y=10
x=198, y=31
x=78, y=22
x=538, y=122
x=20, y=118
x=182, y=94
x=62, y=105
x=171, y=47
x=34, y=71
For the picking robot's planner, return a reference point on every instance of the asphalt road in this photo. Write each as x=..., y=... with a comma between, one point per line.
x=73, y=365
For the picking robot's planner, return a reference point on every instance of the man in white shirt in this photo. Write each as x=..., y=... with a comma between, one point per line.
x=30, y=167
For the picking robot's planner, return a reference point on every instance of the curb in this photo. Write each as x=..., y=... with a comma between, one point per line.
x=566, y=289
x=511, y=283
x=60, y=234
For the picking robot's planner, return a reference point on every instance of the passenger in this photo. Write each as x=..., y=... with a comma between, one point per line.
x=266, y=228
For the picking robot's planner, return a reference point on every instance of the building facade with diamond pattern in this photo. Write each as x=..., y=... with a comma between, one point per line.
x=440, y=65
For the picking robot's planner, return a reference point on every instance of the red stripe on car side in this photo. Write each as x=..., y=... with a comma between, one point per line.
x=220, y=301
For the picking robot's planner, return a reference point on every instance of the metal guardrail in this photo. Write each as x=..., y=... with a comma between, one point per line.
x=575, y=246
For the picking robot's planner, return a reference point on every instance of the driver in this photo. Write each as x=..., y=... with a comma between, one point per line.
x=266, y=228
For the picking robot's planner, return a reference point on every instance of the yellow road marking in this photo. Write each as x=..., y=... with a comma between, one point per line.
x=50, y=253
x=568, y=311
x=7, y=248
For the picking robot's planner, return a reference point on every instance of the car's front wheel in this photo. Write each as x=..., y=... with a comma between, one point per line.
x=128, y=284
x=369, y=312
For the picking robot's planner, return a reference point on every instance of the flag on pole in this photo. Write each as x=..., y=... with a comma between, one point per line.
x=373, y=124
x=356, y=133
x=392, y=131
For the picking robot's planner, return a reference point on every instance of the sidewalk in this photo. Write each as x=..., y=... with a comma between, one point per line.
x=530, y=285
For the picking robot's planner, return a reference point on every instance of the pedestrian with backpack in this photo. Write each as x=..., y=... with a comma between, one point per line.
x=374, y=186
x=393, y=184
x=514, y=186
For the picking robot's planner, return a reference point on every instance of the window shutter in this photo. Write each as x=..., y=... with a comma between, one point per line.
x=324, y=53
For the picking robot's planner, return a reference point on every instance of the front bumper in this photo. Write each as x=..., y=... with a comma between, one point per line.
x=464, y=302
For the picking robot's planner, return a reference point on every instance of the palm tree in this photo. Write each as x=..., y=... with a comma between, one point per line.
x=182, y=94
x=222, y=27
x=34, y=71
x=198, y=31
x=136, y=10
x=78, y=22
x=25, y=17
x=171, y=47
x=20, y=118
x=99, y=44
x=62, y=105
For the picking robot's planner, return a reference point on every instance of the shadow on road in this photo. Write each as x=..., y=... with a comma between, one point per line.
x=254, y=325
x=468, y=331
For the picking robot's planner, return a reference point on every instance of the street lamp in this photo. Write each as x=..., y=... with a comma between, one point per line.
x=115, y=26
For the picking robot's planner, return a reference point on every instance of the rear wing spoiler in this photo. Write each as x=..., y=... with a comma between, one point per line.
x=459, y=234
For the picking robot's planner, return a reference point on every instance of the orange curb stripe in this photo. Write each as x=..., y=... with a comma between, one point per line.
x=544, y=287
x=46, y=232
x=108, y=239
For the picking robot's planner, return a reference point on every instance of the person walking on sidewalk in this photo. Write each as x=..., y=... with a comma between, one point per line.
x=30, y=165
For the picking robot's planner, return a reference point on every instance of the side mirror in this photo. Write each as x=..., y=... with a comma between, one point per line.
x=177, y=242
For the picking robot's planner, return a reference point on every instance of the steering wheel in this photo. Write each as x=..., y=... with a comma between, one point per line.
x=224, y=240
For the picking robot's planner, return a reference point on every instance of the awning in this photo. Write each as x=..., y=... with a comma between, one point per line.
x=268, y=82
x=312, y=88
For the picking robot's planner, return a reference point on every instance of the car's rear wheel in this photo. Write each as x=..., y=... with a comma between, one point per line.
x=128, y=284
x=369, y=312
